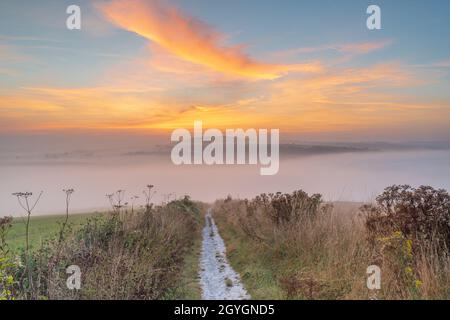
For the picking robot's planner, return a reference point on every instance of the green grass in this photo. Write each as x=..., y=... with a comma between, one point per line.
x=258, y=273
x=41, y=228
x=190, y=284
x=190, y=289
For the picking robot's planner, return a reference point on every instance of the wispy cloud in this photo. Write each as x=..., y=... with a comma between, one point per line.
x=362, y=48
x=191, y=39
x=10, y=57
x=353, y=49
x=27, y=39
x=438, y=64
x=10, y=54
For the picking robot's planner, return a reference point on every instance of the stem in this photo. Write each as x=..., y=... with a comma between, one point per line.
x=27, y=254
x=61, y=233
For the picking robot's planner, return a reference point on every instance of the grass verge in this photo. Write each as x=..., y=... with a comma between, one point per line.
x=294, y=246
x=146, y=254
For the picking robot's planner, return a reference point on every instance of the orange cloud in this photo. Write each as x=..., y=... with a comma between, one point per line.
x=94, y=107
x=191, y=39
x=340, y=87
x=165, y=91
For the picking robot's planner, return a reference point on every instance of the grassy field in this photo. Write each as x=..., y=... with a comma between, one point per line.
x=41, y=228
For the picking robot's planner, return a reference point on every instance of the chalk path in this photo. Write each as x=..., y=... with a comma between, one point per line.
x=218, y=280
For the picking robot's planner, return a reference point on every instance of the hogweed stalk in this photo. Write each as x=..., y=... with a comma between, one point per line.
x=23, y=200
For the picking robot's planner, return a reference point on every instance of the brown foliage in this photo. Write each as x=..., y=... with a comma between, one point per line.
x=422, y=214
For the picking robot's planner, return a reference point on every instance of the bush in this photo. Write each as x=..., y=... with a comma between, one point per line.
x=6, y=279
x=285, y=208
x=409, y=235
x=421, y=214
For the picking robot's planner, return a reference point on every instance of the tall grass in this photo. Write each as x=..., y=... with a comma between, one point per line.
x=296, y=246
x=122, y=255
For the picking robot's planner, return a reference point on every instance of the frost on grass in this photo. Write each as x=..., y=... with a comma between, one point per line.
x=218, y=279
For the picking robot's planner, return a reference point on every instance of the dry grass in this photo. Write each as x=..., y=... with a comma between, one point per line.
x=124, y=255
x=306, y=249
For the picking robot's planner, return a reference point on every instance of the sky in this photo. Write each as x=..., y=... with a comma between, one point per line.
x=310, y=68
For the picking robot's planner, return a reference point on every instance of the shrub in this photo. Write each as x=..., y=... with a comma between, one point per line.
x=284, y=208
x=409, y=235
x=421, y=214
x=6, y=279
